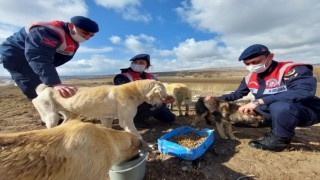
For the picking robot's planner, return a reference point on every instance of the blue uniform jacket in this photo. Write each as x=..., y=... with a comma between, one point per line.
x=22, y=48
x=300, y=88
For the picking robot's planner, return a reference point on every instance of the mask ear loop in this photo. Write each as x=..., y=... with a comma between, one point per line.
x=71, y=28
x=266, y=61
x=267, y=56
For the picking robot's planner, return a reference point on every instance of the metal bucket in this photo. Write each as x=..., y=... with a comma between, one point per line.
x=133, y=169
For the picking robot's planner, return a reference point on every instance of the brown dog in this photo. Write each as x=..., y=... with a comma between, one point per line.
x=106, y=102
x=74, y=150
x=224, y=114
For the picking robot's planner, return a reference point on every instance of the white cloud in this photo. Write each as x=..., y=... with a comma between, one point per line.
x=20, y=13
x=139, y=44
x=246, y=17
x=117, y=4
x=165, y=52
x=96, y=65
x=84, y=49
x=186, y=50
x=136, y=15
x=15, y=14
x=129, y=9
x=115, y=39
x=192, y=54
x=289, y=28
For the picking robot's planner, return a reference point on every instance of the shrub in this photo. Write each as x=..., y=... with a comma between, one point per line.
x=180, y=75
x=196, y=75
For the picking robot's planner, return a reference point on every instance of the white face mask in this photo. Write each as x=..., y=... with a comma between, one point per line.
x=257, y=68
x=77, y=37
x=138, y=68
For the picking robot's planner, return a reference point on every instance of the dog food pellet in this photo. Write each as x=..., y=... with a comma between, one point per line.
x=189, y=140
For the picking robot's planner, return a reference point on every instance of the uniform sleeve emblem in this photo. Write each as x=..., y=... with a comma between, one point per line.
x=291, y=74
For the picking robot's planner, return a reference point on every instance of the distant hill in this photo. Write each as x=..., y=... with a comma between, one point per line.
x=234, y=71
x=229, y=70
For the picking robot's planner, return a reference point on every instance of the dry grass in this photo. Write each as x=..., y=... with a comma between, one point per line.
x=219, y=82
x=225, y=159
x=208, y=85
x=214, y=86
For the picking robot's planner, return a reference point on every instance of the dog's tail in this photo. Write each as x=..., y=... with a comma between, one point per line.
x=40, y=88
x=187, y=96
x=184, y=94
x=189, y=101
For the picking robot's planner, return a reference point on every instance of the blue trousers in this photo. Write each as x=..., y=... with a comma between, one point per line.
x=162, y=113
x=284, y=117
x=25, y=78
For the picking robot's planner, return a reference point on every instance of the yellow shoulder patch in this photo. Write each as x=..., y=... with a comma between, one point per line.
x=291, y=74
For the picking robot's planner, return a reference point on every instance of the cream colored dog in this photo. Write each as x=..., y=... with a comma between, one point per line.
x=181, y=93
x=74, y=150
x=106, y=102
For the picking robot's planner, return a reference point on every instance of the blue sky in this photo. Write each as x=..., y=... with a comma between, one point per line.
x=178, y=34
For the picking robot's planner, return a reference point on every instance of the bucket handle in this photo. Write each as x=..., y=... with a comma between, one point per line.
x=120, y=171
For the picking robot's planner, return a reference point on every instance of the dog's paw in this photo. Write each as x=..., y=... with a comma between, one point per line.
x=234, y=138
x=224, y=137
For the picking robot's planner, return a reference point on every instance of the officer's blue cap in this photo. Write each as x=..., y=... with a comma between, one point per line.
x=253, y=51
x=143, y=57
x=85, y=23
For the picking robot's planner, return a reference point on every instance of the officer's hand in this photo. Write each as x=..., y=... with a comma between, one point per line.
x=208, y=98
x=64, y=90
x=169, y=99
x=248, y=109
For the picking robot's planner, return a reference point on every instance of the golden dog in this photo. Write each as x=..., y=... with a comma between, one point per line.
x=106, y=102
x=74, y=150
x=181, y=93
x=224, y=114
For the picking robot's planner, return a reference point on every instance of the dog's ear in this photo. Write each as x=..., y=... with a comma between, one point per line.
x=224, y=108
x=224, y=105
x=158, y=89
x=151, y=93
x=135, y=142
x=161, y=90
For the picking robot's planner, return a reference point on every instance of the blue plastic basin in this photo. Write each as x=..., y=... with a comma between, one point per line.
x=167, y=147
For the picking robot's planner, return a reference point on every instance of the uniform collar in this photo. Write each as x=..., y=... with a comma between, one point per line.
x=130, y=70
x=65, y=27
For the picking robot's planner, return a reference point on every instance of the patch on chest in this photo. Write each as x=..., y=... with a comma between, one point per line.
x=271, y=83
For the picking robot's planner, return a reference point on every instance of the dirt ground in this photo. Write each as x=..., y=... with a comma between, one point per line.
x=225, y=159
